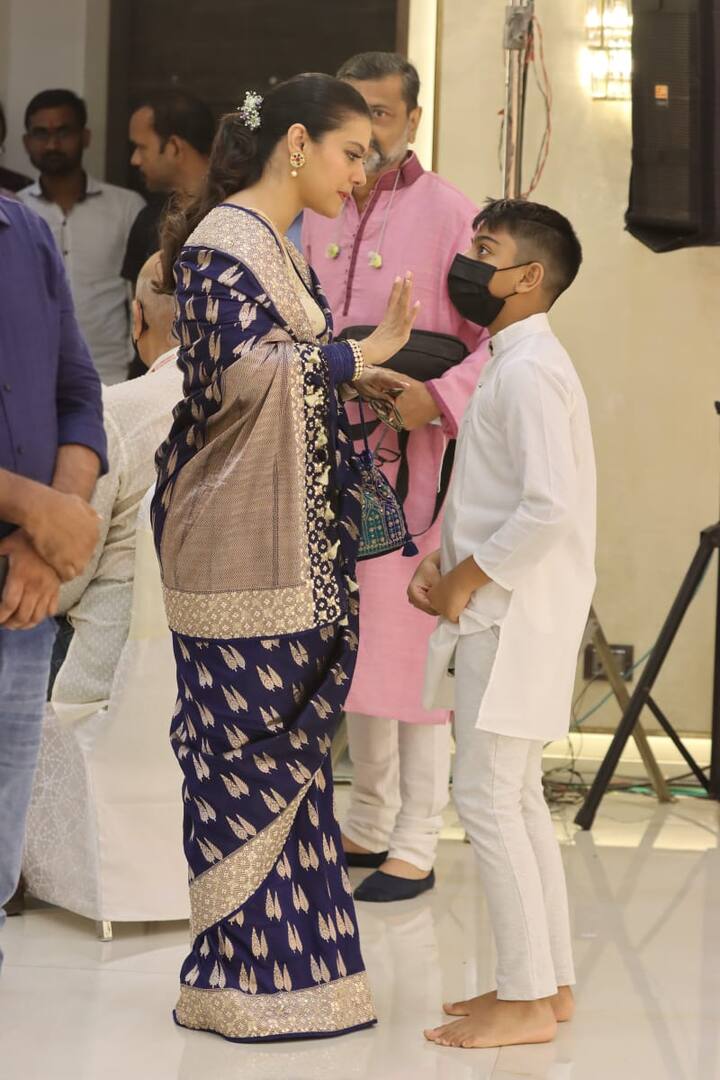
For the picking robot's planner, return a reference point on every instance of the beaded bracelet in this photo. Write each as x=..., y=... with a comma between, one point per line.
x=359, y=358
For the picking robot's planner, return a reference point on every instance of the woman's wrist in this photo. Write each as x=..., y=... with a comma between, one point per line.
x=358, y=357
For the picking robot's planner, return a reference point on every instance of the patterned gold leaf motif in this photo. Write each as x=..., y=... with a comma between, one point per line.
x=353, y=641
x=344, y=877
x=339, y=675
x=190, y=309
x=314, y=860
x=190, y=728
x=261, y=764
x=349, y=924
x=287, y=981
x=282, y=803
x=292, y=934
x=201, y=769
x=253, y=981
x=270, y=644
x=288, y=867
x=204, y=258
x=303, y=856
x=186, y=276
x=326, y=849
x=313, y=815
x=333, y=851
x=246, y=316
x=205, y=948
x=188, y=694
x=269, y=761
x=304, y=772
x=271, y=718
x=211, y=311
x=255, y=944
x=278, y=909
x=205, y=810
x=323, y=927
x=236, y=737
x=340, y=923
x=270, y=802
x=232, y=657
x=263, y=945
x=327, y=633
x=298, y=692
x=192, y=976
x=315, y=970
x=238, y=919
x=235, y=700
x=239, y=831
x=217, y=978
x=235, y=786
x=320, y=781
x=243, y=979
x=331, y=926
x=265, y=679
x=298, y=739
x=205, y=747
x=342, y=970
x=204, y=676
x=278, y=977
x=299, y=654
x=324, y=971
x=229, y=948
x=280, y=867
x=296, y=898
x=184, y=652
x=249, y=829
x=206, y=716
x=321, y=707
x=269, y=905
x=304, y=903
x=295, y=773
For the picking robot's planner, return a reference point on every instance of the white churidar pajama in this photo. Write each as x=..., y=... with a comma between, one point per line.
x=401, y=774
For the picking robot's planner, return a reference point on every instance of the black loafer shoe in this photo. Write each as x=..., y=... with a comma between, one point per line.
x=369, y=861
x=382, y=888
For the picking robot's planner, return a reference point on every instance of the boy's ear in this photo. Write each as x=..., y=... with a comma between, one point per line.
x=533, y=278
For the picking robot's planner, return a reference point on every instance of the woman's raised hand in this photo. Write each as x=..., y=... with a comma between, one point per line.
x=392, y=334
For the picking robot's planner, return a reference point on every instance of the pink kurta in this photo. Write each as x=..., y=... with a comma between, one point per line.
x=429, y=222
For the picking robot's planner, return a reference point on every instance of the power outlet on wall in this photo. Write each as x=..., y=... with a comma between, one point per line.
x=624, y=655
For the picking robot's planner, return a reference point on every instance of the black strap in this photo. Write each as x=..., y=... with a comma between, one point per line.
x=402, y=484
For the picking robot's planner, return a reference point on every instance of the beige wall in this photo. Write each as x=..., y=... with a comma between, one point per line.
x=643, y=330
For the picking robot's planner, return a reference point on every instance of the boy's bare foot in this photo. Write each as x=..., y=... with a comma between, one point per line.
x=563, y=1004
x=499, y=1023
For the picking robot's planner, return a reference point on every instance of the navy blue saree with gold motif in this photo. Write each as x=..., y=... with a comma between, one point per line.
x=256, y=518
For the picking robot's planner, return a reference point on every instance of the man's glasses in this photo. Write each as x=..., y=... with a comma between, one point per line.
x=44, y=135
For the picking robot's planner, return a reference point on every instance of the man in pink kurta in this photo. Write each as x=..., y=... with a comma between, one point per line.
x=405, y=219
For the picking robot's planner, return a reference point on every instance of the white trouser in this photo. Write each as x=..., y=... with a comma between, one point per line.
x=497, y=789
x=401, y=775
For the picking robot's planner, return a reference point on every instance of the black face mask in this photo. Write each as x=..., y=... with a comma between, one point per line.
x=468, y=282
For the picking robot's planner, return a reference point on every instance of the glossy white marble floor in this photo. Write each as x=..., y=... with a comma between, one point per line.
x=645, y=894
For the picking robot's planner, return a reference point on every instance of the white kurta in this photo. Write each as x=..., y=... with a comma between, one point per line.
x=522, y=503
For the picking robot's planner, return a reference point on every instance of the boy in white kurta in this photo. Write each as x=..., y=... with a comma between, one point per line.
x=512, y=585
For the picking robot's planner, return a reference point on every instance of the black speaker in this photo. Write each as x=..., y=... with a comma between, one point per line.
x=675, y=180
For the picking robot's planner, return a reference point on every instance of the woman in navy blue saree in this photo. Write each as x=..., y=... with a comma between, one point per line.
x=257, y=520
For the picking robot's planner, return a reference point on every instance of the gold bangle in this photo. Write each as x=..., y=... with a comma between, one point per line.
x=359, y=358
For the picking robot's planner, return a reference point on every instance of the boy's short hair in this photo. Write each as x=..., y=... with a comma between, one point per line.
x=541, y=234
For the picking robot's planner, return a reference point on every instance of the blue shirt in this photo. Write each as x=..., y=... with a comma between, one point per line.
x=49, y=390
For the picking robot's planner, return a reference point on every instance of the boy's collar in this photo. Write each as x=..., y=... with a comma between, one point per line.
x=505, y=339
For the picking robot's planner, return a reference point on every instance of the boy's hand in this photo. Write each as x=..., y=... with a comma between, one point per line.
x=424, y=579
x=449, y=598
x=452, y=593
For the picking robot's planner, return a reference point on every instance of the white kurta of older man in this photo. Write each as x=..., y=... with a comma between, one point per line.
x=522, y=504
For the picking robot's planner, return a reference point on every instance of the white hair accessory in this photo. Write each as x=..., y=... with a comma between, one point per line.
x=250, y=110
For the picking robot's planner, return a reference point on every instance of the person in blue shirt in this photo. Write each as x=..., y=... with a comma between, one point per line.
x=52, y=449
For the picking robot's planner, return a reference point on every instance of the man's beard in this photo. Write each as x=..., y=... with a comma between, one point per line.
x=56, y=164
x=378, y=161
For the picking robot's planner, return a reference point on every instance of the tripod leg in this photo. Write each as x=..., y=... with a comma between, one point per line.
x=714, y=790
x=677, y=742
x=689, y=587
x=620, y=690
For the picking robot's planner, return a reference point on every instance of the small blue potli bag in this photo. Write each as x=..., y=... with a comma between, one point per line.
x=384, y=528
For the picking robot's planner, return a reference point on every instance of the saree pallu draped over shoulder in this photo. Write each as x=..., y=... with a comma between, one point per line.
x=256, y=518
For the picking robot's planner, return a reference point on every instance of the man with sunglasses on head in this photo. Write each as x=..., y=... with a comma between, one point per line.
x=90, y=221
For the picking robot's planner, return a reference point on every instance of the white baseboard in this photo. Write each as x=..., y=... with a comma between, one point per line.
x=590, y=749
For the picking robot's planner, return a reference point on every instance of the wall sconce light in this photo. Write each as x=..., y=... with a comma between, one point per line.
x=608, y=30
